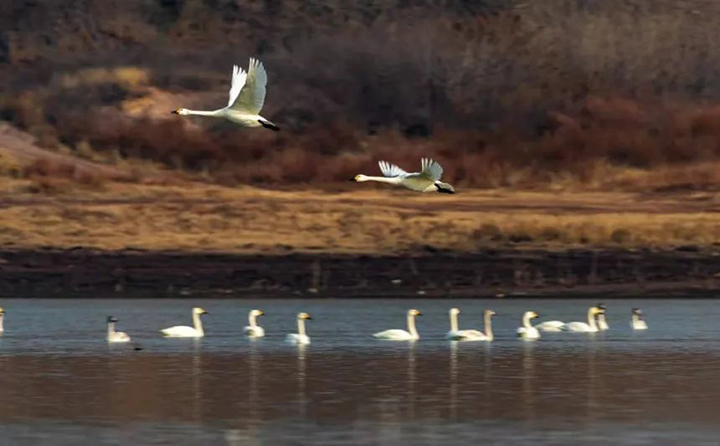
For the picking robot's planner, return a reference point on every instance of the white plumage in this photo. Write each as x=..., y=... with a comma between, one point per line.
x=246, y=98
x=115, y=336
x=427, y=180
x=527, y=331
x=254, y=330
x=183, y=331
x=301, y=337
x=401, y=335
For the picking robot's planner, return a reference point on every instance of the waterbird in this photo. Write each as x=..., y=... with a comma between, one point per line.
x=401, y=335
x=638, y=323
x=455, y=334
x=427, y=180
x=2, y=317
x=253, y=330
x=600, y=318
x=590, y=326
x=527, y=331
x=247, y=96
x=182, y=331
x=551, y=326
x=301, y=337
x=115, y=336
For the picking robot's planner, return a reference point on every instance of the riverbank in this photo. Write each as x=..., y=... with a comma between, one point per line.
x=491, y=273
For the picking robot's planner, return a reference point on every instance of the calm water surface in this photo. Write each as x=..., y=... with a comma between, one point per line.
x=61, y=383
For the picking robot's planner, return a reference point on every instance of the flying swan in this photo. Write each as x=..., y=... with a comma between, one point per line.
x=301, y=337
x=2, y=316
x=247, y=96
x=254, y=330
x=115, y=336
x=456, y=334
x=527, y=331
x=182, y=331
x=590, y=326
x=638, y=323
x=402, y=335
x=427, y=180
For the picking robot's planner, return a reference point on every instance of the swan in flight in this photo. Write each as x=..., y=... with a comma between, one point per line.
x=115, y=336
x=247, y=96
x=638, y=323
x=527, y=331
x=401, y=335
x=301, y=337
x=2, y=317
x=182, y=331
x=590, y=326
x=253, y=330
x=469, y=335
x=427, y=180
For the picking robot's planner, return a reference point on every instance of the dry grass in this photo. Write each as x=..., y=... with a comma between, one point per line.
x=210, y=218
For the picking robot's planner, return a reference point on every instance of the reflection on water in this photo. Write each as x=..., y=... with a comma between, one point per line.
x=347, y=388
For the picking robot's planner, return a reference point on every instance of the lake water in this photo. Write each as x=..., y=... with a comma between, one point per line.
x=61, y=383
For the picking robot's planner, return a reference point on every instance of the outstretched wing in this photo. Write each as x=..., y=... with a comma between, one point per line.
x=252, y=95
x=431, y=169
x=390, y=170
x=238, y=81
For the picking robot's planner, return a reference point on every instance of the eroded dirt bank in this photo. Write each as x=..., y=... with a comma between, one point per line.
x=133, y=273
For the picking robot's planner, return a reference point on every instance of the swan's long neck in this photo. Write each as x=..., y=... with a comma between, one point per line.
x=301, y=327
x=453, y=322
x=488, y=327
x=197, y=323
x=635, y=319
x=391, y=180
x=411, y=326
x=526, y=321
x=591, y=319
x=251, y=319
x=204, y=112
x=2, y=316
x=111, y=328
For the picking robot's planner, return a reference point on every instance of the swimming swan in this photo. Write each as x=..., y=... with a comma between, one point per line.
x=527, y=331
x=638, y=323
x=590, y=327
x=427, y=180
x=2, y=317
x=551, y=326
x=600, y=318
x=299, y=338
x=469, y=335
x=402, y=335
x=182, y=331
x=115, y=336
x=253, y=330
x=247, y=96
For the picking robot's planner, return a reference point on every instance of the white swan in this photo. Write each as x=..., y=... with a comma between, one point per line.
x=427, y=180
x=551, y=326
x=115, y=336
x=254, y=330
x=469, y=335
x=2, y=317
x=247, y=96
x=182, y=331
x=402, y=335
x=301, y=337
x=527, y=331
x=602, y=324
x=638, y=323
x=590, y=326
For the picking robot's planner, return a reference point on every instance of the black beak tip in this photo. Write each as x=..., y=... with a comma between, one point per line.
x=174, y=112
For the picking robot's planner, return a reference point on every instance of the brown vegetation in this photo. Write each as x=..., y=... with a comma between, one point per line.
x=601, y=94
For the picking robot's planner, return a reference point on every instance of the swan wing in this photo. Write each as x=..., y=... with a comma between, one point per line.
x=577, y=326
x=295, y=338
x=239, y=76
x=431, y=169
x=395, y=334
x=551, y=326
x=252, y=95
x=472, y=335
x=256, y=332
x=391, y=170
x=180, y=331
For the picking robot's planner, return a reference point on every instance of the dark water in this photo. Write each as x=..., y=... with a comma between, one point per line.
x=61, y=383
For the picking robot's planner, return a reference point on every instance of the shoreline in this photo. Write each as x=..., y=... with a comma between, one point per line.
x=505, y=272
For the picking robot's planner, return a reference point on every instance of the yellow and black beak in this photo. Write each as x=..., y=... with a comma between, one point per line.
x=176, y=111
